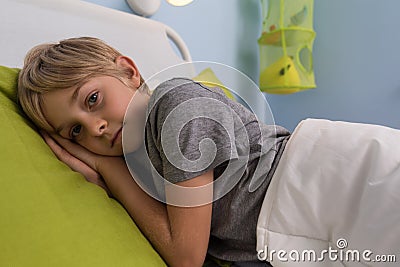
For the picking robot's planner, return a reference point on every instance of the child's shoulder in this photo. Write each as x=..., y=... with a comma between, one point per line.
x=183, y=86
x=175, y=83
x=177, y=90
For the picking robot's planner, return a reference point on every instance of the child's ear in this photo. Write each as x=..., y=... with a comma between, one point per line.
x=128, y=64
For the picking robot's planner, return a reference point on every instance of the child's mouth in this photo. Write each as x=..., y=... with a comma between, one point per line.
x=116, y=137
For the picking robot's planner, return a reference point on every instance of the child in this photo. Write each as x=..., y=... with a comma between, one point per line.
x=78, y=91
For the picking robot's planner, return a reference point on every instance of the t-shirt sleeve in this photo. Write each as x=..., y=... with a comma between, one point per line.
x=189, y=131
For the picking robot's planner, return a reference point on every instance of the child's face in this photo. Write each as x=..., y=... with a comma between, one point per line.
x=91, y=115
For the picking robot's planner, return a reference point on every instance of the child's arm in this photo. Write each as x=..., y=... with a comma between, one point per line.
x=179, y=234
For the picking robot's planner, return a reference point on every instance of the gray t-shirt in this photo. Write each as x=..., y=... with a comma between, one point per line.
x=184, y=112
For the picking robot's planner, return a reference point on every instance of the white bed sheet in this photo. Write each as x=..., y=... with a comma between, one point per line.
x=335, y=188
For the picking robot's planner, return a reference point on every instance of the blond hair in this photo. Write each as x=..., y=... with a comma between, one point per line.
x=69, y=63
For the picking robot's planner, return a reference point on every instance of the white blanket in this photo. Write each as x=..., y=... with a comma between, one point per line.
x=334, y=199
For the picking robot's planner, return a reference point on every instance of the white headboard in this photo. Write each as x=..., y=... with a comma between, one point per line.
x=26, y=23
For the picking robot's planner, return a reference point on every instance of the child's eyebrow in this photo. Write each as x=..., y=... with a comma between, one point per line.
x=76, y=93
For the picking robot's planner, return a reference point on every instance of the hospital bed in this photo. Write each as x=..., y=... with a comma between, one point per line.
x=50, y=215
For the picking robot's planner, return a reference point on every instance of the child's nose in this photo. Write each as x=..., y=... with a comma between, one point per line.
x=97, y=128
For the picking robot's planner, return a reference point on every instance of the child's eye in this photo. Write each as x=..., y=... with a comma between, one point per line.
x=76, y=131
x=93, y=99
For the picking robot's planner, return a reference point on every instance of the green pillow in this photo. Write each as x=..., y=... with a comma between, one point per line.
x=50, y=215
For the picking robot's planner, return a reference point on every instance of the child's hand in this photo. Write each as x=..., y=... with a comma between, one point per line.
x=77, y=158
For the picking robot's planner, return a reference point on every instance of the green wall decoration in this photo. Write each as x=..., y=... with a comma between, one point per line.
x=286, y=41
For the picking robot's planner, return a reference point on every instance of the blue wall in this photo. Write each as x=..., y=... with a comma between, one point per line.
x=356, y=62
x=356, y=54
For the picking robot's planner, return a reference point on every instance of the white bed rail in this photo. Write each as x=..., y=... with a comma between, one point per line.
x=180, y=44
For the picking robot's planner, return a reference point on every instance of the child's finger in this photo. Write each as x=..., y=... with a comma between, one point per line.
x=56, y=148
x=76, y=150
